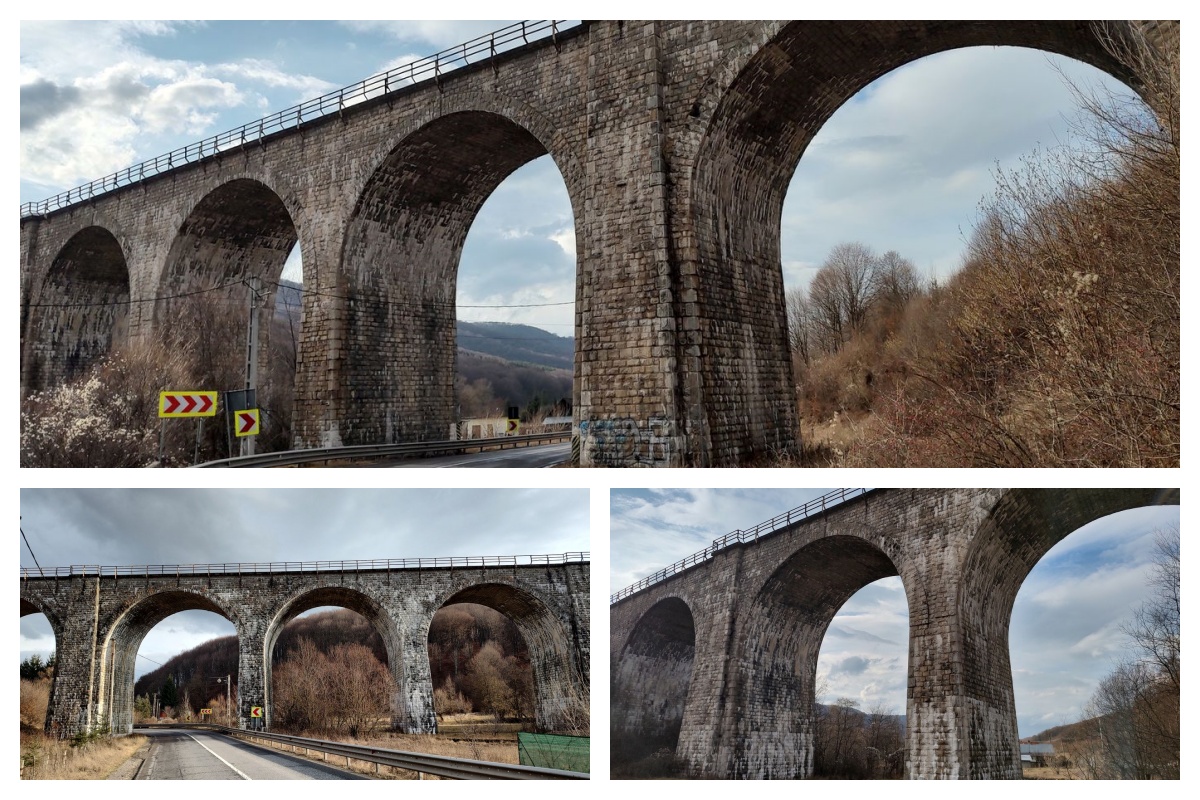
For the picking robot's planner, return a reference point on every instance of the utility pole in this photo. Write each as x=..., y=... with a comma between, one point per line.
x=256, y=300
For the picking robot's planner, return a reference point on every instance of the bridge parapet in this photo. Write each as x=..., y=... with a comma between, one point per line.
x=776, y=523
x=374, y=565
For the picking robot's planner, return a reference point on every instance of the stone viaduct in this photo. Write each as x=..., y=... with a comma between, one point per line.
x=717, y=658
x=676, y=141
x=100, y=615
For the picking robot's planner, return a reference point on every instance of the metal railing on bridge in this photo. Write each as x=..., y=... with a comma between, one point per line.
x=442, y=766
x=433, y=67
x=809, y=509
x=376, y=565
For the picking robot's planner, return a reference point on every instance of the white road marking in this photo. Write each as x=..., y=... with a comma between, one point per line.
x=223, y=761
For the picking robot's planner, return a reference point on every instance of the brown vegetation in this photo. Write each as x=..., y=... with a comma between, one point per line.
x=851, y=744
x=109, y=416
x=347, y=690
x=1058, y=342
x=330, y=672
x=87, y=758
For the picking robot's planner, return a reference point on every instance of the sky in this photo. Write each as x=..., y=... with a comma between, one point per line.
x=1065, y=631
x=125, y=527
x=902, y=166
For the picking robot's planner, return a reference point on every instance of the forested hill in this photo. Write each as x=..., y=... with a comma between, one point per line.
x=520, y=343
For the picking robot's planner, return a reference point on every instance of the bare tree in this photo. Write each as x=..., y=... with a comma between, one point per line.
x=799, y=319
x=1137, y=707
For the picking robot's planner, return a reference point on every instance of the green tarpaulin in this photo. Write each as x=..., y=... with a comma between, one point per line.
x=556, y=752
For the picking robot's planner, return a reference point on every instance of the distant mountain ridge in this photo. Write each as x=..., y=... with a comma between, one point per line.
x=523, y=344
x=510, y=341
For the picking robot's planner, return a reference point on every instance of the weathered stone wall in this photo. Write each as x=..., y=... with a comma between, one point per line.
x=676, y=141
x=761, y=610
x=100, y=622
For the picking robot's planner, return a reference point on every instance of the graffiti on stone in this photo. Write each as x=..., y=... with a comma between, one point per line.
x=626, y=442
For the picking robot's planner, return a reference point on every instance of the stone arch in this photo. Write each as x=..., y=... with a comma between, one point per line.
x=1020, y=528
x=400, y=260
x=560, y=672
x=761, y=118
x=120, y=636
x=370, y=609
x=790, y=615
x=651, y=678
x=82, y=310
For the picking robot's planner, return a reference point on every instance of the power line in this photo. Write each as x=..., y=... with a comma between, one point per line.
x=151, y=660
x=35, y=561
x=302, y=291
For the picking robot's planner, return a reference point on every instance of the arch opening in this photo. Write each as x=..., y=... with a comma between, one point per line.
x=228, y=255
x=124, y=668
x=480, y=666
x=39, y=646
x=515, y=300
x=187, y=662
x=559, y=670
x=760, y=128
x=862, y=686
x=340, y=655
x=1094, y=648
x=402, y=254
x=776, y=729
x=1021, y=529
x=650, y=683
x=83, y=309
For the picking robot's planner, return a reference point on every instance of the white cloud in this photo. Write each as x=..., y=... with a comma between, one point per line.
x=111, y=104
x=266, y=73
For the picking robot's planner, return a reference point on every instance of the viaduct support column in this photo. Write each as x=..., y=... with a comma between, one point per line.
x=413, y=713
x=961, y=714
x=628, y=399
x=77, y=672
x=253, y=662
x=322, y=398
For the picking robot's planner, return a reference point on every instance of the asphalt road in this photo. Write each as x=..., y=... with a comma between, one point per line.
x=204, y=755
x=547, y=455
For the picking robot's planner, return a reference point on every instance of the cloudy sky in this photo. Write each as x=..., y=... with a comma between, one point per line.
x=1065, y=631
x=205, y=526
x=902, y=166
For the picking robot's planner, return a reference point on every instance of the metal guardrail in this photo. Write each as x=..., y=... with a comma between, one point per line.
x=288, y=458
x=443, y=766
x=433, y=67
x=176, y=570
x=809, y=509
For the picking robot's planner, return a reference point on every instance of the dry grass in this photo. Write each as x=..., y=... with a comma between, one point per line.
x=35, y=699
x=1049, y=774
x=44, y=758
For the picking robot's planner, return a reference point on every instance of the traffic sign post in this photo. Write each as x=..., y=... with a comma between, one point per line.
x=246, y=422
x=188, y=404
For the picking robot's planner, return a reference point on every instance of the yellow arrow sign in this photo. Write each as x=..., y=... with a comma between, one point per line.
x=245, y=423
x=187, y=404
